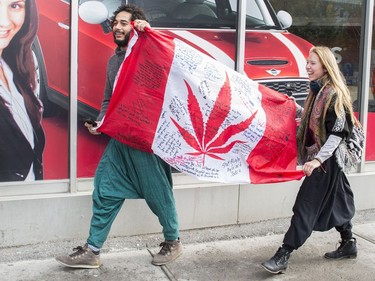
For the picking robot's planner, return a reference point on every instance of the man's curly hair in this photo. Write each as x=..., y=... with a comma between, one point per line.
x=136, y=12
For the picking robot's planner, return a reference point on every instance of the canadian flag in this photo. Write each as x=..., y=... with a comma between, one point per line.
x=199, y=116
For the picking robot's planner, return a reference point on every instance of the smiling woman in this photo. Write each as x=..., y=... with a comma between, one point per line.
x=22, y=140
x=12, y=18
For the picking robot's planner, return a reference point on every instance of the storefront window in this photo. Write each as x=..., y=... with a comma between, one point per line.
x=336, y=24
x=35, y=61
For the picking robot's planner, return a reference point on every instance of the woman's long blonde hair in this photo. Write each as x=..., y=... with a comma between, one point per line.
x=335, y=78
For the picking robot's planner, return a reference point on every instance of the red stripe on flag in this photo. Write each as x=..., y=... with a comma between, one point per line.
x=275, y=156
x=135, y=107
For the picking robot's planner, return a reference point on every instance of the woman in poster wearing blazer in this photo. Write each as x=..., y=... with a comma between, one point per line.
x=22, y=138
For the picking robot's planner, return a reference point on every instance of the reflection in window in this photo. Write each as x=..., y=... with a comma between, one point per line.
x=336, y=24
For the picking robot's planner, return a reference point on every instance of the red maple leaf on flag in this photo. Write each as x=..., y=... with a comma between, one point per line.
x=206, y=140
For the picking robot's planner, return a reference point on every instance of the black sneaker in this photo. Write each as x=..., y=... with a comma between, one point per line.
x=278, y=263
x=170, y=250
x=346, y=250
x=83, y=257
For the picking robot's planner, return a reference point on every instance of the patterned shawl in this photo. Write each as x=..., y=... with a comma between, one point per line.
x=312, y=133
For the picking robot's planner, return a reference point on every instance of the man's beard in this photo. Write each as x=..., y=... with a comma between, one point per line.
x=124, y=42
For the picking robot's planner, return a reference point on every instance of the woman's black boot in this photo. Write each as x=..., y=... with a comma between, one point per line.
x=279, y=262
x=347, y=249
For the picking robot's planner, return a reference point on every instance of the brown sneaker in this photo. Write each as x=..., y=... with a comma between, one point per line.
x=83, y=257
x=170, y=250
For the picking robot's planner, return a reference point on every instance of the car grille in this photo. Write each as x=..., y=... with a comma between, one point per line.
x=297, y=89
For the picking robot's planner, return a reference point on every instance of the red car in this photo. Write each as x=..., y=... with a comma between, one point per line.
x=273, y=56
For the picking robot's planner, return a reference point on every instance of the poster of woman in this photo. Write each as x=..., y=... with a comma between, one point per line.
x=22, y=138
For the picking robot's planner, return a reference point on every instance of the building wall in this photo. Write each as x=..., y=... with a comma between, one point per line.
x=36, y=219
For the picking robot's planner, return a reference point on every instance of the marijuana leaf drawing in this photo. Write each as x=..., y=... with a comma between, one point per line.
x=206, y=141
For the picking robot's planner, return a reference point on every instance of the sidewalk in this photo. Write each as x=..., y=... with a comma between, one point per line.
x=224, y=253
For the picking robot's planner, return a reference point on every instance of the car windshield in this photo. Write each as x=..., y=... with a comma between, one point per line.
x=201, y=13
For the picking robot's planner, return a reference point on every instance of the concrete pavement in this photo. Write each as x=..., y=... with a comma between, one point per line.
x=222, y=254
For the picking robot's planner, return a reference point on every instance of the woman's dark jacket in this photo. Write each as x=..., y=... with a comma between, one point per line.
x=16, y=154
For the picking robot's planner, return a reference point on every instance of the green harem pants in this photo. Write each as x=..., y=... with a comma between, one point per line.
x=127, y=173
